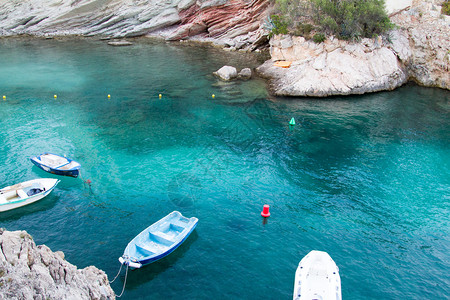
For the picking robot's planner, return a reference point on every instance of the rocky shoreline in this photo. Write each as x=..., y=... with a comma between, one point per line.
x=28, y=271
x=418, y=50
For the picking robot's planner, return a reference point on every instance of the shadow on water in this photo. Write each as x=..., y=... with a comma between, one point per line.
x=65, y=181
x=139, y=277
x=44, y=204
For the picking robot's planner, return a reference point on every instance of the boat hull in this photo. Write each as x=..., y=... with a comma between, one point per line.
x=317, y=277
x=72, y=172
x=49, y=185
x=162, y=255
x=158, y=240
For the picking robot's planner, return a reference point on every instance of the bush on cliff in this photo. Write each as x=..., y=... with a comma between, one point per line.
x=278, y=24
x=345, y=19
x=446, y=8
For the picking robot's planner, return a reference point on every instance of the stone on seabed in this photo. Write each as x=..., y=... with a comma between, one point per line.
x=28, y=271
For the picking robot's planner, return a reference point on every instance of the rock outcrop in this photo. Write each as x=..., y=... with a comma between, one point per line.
x=417, y=50
x=428, y=34
x=234, y=23
x=28, y=271
x=332, y=68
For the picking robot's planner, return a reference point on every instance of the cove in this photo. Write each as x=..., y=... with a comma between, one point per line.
x=365, y=178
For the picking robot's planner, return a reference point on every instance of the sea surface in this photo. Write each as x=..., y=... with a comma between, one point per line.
x=364, y=178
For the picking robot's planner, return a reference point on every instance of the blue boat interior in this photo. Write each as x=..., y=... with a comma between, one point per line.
x=159, y=239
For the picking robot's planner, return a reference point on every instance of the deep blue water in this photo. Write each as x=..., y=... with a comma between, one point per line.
x=365, y=178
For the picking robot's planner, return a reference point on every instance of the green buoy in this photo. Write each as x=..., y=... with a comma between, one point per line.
x=292, y=122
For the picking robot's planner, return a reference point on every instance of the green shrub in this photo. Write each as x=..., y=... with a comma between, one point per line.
x=279, y=25
x=351, y=19
x=445, y=10
x=319, y=38
x=303, y=30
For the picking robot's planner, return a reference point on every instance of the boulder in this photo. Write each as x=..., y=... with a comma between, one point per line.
x=28, y=271
x=245, y=73
x=226, y=73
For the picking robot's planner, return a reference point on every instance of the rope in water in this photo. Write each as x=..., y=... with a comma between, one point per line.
x=117, y=274
x=124, y=283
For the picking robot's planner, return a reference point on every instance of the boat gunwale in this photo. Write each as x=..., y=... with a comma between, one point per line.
x=35, y=159
x=156, y=256
x=43, y=193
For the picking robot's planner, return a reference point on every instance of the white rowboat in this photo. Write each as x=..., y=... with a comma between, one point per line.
x=25, y=193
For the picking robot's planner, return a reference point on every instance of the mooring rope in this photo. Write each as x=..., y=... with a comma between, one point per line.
x=117, y=274
x=124, y=283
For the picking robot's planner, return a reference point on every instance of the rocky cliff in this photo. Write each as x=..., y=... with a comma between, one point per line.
x=417, y=50
x=28, y=271
x=236, y=23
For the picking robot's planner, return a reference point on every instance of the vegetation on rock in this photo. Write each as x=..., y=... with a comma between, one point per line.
x=345, y=19
x=446, y=8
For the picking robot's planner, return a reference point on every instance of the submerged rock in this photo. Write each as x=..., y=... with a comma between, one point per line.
x=120, y=43
x=28, y=271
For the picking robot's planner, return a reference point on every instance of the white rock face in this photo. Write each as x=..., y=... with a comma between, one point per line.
x=226, y=73
x=417, y=50
x=397, y=5
x=332, y=68
x=427, y=32
x=28, y=271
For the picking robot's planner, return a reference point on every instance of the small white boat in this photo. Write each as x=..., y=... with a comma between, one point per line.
x=24, y=193
x=317, y=278
x=158, y=240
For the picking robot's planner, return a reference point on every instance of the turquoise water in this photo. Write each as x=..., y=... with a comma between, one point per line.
x=364, y=178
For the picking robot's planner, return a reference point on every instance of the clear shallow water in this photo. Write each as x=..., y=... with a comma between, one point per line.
x=364, y=178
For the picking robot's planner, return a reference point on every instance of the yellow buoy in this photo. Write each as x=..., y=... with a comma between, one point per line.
x=213, y=96
x=160, y=96
x=4, y=97
x=55, y=96
x=109, y=96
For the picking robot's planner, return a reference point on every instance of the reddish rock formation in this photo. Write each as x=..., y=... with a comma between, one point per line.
x=234, y=18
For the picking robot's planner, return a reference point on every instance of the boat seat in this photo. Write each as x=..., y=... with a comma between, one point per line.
x=160, y=238
x=62, y=165
x=143, y=250
x=177, y=227
x=164, y=235
x=22, y=194
x=9, y=194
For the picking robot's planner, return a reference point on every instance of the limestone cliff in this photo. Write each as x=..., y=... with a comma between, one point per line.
x=28, y=271
x=332, y=68
x=418, y=49
x=236, y=22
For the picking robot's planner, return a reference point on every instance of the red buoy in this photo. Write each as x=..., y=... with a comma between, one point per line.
x=265, y=213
